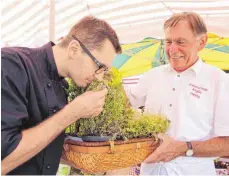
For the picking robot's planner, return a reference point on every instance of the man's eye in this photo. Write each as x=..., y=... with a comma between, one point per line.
x=181, y=42
x=168, y=42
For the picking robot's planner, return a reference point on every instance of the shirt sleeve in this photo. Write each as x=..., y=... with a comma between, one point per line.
x=14, y=102
x=221, y=116
x=137, y=94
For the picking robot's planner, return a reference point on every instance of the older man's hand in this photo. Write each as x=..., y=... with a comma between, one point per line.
x=168, y=150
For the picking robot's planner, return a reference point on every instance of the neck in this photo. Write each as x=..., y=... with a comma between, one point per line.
x=60, y=59
x=183, y=69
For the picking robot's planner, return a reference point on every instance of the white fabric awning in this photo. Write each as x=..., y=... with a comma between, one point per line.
x=34, y=22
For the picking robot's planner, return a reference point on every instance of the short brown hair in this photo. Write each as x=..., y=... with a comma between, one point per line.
x=196, y=23
x=92, y=32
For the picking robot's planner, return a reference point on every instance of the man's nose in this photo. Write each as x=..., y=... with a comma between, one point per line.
x=173, y=49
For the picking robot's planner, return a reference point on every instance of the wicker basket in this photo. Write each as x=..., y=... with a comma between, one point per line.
x=99, y=157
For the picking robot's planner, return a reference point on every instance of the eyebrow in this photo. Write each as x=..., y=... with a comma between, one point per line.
x=177, y=39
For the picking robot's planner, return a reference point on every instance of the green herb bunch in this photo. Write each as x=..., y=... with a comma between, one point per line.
x=117, y=120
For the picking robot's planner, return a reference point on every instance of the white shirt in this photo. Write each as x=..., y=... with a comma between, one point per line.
x=196, y=102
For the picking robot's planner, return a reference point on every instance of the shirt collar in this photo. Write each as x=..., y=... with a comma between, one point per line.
x=43, y=58
x=196, y=68
x=50, y=61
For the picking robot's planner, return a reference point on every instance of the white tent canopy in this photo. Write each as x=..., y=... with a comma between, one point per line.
x=35, y=22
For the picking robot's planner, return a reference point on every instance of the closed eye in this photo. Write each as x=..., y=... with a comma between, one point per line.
x=168, y=42
x=181, y=42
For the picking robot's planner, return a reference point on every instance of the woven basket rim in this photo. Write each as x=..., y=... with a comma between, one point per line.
x=113, y=148
x=107, y=143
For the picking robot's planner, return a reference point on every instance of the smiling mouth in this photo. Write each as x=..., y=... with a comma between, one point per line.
x=177, y=58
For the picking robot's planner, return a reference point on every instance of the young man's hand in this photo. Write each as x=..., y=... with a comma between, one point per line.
x=89, y=104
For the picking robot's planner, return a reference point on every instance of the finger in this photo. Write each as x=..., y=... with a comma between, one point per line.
x=162, y=136
x=96, y=113
x=167, y=158
x=100, y=94
x=160, y=158
x=66, y=147
x=99, y=110
x=163, y=157
x=102, y=104
x=99, y=104
x=152, y=158
x=103, y=92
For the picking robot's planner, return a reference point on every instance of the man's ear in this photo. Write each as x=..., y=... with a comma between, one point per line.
x=73, y=49
x=203, y=41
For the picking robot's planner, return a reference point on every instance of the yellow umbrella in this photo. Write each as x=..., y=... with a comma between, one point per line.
x=139, y=57
x=216, y=52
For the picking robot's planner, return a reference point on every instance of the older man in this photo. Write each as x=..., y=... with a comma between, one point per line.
x=193, y=95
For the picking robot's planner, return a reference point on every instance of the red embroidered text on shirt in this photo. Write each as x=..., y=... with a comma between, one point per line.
x=197, y=90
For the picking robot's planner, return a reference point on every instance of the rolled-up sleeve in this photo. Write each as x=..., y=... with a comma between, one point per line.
x=221, y=116
x=14, y=103
x=137, y=95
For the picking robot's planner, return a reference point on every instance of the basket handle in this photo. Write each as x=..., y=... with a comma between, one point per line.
x=138, y=145
x=112, y=147
x=66, y=147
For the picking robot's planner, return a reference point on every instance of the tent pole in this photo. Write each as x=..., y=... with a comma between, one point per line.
x=87, y=7
x=51, y=20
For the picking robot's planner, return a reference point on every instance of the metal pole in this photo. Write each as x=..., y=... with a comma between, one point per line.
x=51, y=20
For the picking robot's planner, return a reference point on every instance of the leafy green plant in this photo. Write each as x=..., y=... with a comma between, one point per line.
x=117, y=120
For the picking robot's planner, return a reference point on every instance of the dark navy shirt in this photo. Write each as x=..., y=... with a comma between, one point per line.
x=32, y=91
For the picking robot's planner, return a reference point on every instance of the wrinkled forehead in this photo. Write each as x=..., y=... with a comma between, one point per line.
x=182, y=30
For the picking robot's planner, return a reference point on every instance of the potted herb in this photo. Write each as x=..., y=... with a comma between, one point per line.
x=118, y=124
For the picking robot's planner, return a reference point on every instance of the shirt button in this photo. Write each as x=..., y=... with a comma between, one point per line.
x=170, y=105
x=49, y=85
x=48, y=166
x=54, y=110
x=173, y=89
x=178, y=75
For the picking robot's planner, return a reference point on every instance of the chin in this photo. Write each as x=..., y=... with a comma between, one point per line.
x=180, y=69
x=84, y=85
x=81, y=85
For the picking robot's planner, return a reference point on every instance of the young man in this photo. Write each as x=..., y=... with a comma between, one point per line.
x=34, y=110
x=193, y=95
